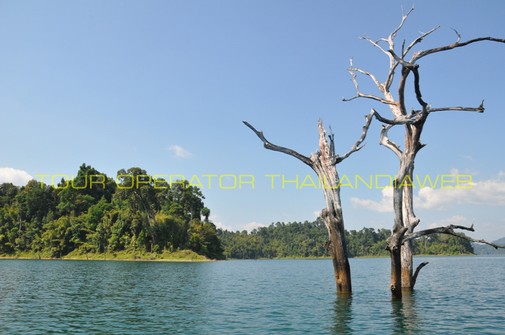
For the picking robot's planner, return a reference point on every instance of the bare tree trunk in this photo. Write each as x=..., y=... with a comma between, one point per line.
x=324, y=162
x=338, y=252
x=396, y=283
x=323, y=165
x=412, y=146
x=396, y=240
x=407, y=259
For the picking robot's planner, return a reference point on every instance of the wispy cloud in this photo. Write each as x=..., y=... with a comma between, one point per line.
x=14, y=176
x=467, y=157
x=179, y=151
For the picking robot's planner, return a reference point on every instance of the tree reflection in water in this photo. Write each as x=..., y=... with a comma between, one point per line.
x=343, y=315
x=404, y=313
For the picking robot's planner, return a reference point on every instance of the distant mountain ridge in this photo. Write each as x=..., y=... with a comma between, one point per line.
x=484, y=249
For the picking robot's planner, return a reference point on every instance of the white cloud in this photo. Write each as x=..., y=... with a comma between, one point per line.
x=217, y=222
x=253, y=225
x=179, y=151
x=382, y=206
x=487, y=192
x=14, y=176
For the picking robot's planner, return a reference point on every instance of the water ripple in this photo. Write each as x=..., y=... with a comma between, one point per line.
x=454, y=295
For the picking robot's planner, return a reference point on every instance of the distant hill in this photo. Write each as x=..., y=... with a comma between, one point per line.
x=484, y=249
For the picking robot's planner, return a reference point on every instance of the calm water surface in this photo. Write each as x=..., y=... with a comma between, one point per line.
x=455, y=295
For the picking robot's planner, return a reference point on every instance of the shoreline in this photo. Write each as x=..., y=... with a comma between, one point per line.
x=177, y=256
x=356, y=257
x=182, y=256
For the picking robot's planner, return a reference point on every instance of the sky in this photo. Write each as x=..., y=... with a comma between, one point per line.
x=165, y=86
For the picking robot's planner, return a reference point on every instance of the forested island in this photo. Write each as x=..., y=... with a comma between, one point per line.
x=138, y=216
x=131, y=215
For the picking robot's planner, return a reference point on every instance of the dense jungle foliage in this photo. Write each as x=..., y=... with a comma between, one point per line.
x=309, y=239
x=93, y=213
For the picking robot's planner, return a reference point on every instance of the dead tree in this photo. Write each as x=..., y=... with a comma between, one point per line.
x=324, y=162
x=402, y=64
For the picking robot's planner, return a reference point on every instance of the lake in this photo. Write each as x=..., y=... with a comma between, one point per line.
x=454, y=295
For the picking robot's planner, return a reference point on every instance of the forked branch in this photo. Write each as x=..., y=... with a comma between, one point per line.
x=332, y=157
x=352, y=71
x=417, y=41
x=385, y=141
x=420, y=54
x=392, y=36
x=358, y=145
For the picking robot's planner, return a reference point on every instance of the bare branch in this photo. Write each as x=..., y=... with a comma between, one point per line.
x=401, y=89
x=383, y=119
x=438, y=230
x=385, y=141
x=352, y=70
x=331, y=136
x=496, y=246
x=417, y=87
x=391, y=42
x=457, y=34
x=274, y=147
x=371, y=97
x=392, y=36
x=376, y=44
x=388, y=98
x=449, y=230
x=406, y=68
x=369, y=74
x=351, y=99
x=418, y=40
x=403, y=119
x=391, y=76
x=416, y=273
x=357, y=146
x=420, y=54
x=479, y=109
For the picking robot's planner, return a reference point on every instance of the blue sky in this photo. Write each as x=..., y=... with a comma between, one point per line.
x=165, y=85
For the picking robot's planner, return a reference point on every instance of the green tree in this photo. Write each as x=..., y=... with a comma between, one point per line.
x=184, y=200
x=136, y=191
x=84, y=190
